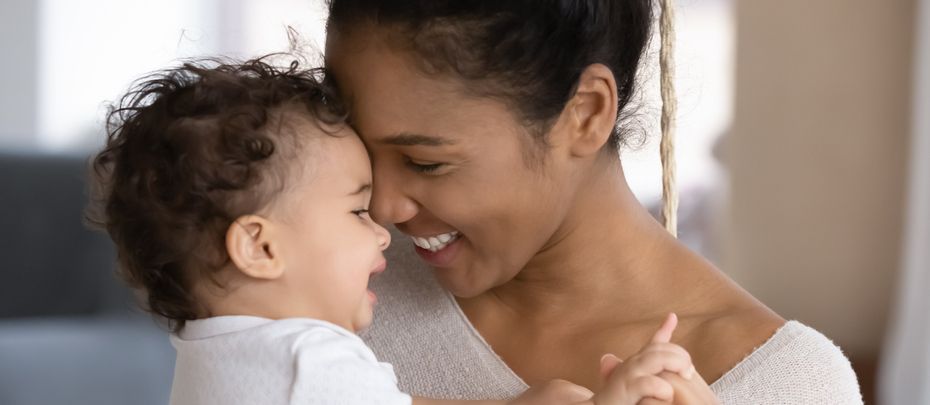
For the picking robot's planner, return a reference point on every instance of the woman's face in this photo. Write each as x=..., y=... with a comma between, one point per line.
x=451, y=169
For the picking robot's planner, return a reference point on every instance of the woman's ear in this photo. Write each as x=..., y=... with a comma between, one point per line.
x=592, y=112
x=253, y=248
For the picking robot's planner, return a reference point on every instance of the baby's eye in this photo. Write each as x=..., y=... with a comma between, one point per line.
x=422, y=168
x=359, y=213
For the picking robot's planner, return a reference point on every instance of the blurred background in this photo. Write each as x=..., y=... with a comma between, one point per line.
x=804, y=168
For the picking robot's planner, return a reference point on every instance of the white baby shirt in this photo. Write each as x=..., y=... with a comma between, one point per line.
x=231, y=360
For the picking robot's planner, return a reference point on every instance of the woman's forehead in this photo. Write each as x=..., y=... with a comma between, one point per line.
x=368, y=67
x=388, y=96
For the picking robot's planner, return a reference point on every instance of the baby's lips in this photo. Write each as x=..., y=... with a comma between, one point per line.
x=379, y=269
x=373, y=298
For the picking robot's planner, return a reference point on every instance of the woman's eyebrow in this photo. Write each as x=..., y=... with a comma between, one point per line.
x=405, y=139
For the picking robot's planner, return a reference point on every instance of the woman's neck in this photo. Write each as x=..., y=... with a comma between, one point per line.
x=608, y=256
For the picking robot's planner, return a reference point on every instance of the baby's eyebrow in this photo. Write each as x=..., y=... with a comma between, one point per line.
x=406, y=139
x=365, y=187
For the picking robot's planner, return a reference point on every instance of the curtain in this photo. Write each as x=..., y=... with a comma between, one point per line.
x=905, y=368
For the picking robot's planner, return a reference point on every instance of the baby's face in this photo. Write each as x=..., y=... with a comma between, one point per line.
x=330, y=245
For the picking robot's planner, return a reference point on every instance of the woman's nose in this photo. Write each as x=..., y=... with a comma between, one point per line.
x=389, y=203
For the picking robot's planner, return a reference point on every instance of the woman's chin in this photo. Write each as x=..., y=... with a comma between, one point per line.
x=457, y=272
x=460, y=284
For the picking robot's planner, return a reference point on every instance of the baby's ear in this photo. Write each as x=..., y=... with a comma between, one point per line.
x=253, y=248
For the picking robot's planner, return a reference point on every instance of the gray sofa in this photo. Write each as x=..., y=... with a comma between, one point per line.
x=69, y=333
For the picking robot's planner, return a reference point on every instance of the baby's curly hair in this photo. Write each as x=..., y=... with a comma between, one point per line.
x=189, y=150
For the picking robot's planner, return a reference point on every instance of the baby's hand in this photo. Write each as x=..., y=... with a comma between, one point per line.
x=627, y=382
x=555, y=392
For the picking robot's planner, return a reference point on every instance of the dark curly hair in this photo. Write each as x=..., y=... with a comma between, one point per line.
x=188, y=151
x=529, y=53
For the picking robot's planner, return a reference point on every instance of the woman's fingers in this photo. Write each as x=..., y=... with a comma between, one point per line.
x=664, y=334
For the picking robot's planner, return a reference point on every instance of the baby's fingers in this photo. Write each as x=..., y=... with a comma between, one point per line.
x=652, y=401
x=651, y=386
x=631, y=390
x=608, y=363
x=660, y=357
x=664, y=334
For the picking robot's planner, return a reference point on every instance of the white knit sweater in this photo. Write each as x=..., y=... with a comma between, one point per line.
x=419, y=328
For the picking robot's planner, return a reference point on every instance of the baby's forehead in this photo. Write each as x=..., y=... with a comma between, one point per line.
x=322, y=153
x=299, y=121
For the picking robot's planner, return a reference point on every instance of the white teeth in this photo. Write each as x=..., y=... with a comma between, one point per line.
x=435, y=243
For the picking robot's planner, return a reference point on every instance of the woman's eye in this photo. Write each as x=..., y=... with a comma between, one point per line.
x=421, y=168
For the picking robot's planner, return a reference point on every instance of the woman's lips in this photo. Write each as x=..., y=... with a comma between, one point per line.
x=443, y=256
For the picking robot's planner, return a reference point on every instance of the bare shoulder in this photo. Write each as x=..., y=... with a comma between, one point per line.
x=720, y=340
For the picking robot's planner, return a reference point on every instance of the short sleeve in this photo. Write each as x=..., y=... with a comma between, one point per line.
x=334, y=369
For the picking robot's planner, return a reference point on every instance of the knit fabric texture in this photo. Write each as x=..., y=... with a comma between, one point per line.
x=419, y=329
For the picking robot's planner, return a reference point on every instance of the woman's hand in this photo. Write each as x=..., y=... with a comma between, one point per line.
x=639, y=377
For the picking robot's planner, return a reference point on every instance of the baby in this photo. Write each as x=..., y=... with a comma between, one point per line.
x=238, y=201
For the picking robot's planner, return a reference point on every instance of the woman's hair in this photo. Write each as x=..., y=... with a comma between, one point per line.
x=188, y=151
x=529, y=53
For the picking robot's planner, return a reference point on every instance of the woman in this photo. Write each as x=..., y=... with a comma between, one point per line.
x=494, y=129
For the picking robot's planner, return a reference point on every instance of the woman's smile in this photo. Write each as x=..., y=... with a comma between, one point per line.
x=439, y=251
x=437, y=242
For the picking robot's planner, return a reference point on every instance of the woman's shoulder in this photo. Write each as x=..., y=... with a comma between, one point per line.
x=797, y=364
x=720, y=339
